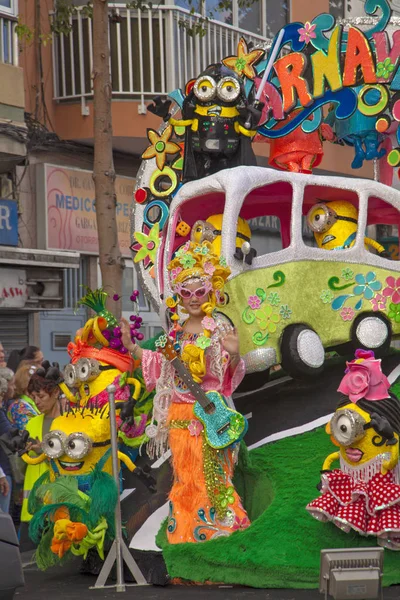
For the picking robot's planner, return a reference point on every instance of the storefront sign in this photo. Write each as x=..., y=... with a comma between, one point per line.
x=71, y=210
x=13, y=288
x=8, y=223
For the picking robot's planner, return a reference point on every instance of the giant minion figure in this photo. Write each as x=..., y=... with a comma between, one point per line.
x=211, y=231
x=363, y=493
x=335, y=226
x=219, y=122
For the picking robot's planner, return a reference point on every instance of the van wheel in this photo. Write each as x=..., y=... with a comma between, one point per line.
x=372, y=331
x=303, y=354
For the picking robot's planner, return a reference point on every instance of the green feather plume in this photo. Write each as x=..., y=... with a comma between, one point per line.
x=96, y=300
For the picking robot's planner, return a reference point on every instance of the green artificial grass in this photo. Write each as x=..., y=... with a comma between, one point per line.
x=281, y=548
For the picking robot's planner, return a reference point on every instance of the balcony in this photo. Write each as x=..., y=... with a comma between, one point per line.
x=151, y=53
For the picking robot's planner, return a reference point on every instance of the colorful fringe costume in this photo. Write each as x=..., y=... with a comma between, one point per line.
x=203, y=501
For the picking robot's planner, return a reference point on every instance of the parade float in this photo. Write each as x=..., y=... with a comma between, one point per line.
x=329, y=286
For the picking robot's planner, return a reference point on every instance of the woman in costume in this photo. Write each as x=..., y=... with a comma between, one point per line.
x=364, y=493
x=203, y=501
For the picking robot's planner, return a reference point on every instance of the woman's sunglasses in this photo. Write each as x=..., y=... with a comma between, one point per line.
x=199, y=293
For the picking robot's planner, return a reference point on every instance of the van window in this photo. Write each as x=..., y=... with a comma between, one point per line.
x=382, y=234
x=331, y=217
x=268, y=211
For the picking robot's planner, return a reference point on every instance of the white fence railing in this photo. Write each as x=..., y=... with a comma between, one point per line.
x=151, y=53
x=8, y=41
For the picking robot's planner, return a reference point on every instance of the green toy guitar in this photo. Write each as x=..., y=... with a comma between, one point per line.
x=222, y=425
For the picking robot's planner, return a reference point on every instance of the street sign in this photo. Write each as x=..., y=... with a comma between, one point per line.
x=8, y=223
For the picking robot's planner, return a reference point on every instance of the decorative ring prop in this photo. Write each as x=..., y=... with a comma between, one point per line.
x=156, y=175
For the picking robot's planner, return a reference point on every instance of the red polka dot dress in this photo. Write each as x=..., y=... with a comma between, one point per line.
x=362, y=500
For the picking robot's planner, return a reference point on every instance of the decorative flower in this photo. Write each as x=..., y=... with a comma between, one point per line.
x=327, y=296
x=203, y=342
x=161, y=342
x=240, y=523
x=208, y=268
x=195, y=427
x=201, y=250
x=394, y=312
x=347, y=274
x=285, y=311
x=160, y=146
x=367, y=286
x=243, y=63
x=393, y=289
x=209, y=323
x=226, y=496
x=364, y=379
x=254, y=302
x=147, y=244
x=385, y=68
x=364, y=354
x=237, y=423
x=222, y=261
x=171, y=302
x=378, y=303
x=175, y=272
x=273, y=299
x=347, y=313
x=307, y=32
x=267, y=319
x=187, y=261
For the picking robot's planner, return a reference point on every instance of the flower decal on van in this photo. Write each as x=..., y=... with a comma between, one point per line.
x=393, y=289
x=367, y=285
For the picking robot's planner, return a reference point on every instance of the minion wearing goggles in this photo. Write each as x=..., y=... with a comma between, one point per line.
x=334, y=225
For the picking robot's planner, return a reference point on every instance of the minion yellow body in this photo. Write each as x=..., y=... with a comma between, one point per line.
x=335, y=226
x=210, y=230
x=362, y=450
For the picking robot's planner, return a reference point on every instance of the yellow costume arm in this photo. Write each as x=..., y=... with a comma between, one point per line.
x=127, y=461
x=247, y=132
x=390, y=464
x=136, y=385
x=30, y=460
x=329, y=460
x=67, y=393
x=374, y=244
x=180, y=122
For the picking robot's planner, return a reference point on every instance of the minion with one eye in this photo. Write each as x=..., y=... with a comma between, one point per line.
x=211, y=230
x=363, y=494
x=335, y=226
x=219, y=122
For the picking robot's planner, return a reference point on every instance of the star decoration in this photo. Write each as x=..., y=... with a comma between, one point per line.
x=147, y=242
x=160, y=146
x=243, y=63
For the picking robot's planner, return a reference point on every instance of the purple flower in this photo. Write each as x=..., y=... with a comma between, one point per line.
x=116, y=297
x=254, y=302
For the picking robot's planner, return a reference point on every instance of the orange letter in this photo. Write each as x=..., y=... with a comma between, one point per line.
x=289, y=69
x=358, y=55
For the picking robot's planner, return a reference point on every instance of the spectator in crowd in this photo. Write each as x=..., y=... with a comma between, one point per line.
x=21, y=407
x=30, y=355
x=2, y=357
x=44, y=388
x=6, y=388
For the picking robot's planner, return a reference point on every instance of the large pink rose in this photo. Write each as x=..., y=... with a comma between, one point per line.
x=364, y=380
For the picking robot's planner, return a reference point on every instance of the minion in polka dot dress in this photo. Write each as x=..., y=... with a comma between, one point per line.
x=363, y=494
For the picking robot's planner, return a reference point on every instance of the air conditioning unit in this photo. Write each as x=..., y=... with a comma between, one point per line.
x=45, y=288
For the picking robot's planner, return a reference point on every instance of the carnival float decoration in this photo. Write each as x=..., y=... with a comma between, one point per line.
x=351, y=71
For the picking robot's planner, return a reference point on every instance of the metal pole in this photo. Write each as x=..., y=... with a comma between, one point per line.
x=118, y=521
x=118, y=553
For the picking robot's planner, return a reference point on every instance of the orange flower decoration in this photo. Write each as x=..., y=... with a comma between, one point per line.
x=160, y=146
x=243, y=63
x=66, y=533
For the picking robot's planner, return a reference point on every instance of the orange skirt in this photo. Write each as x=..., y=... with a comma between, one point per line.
x=203, y=501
